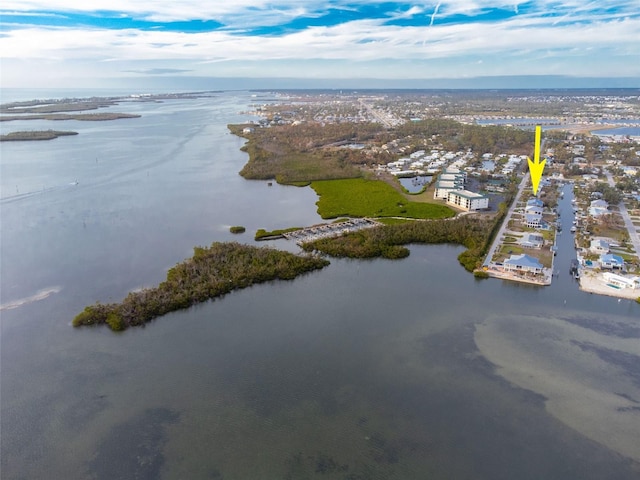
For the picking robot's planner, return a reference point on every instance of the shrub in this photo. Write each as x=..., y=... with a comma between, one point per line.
x=115, y=322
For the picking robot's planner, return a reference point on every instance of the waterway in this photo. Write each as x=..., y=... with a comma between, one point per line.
x=378, y=369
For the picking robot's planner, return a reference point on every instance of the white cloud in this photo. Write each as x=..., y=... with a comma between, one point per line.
x=356, y=40
x=268, y=10
x=523, y=44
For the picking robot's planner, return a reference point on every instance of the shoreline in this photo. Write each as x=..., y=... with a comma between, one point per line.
x=594, y=284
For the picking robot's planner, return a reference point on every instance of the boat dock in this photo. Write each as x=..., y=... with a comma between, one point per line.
x=327, y=230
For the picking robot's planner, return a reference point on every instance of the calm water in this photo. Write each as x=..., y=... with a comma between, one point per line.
x=376, y=369
x=631, y=131
x=415, y=184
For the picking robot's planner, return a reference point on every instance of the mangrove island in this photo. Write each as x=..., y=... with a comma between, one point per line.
x=211, y=272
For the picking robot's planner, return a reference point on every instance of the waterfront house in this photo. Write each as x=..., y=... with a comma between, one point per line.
x=532, y=240
x=599, y=246
x=535, y=202
x=609, y=260
x=599, y=204
x=621, y=282
x=533, y=209
x=523, y=263
x=532, y=220
x=466, y=200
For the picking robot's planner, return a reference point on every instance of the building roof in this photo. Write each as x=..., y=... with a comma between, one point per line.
x=534, y=237
x=468, y=194
x=532, y=209
x=536, y=202
x=597, y=211
x=611, y=258
x=599, y=243
x=523, y=260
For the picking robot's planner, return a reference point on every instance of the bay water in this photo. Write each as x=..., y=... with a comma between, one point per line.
x=408, y=369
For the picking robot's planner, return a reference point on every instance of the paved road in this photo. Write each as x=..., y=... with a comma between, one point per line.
x=631, y=228
x=497, y=240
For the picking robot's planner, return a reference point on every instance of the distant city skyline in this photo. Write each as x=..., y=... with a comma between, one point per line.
x=312, y=44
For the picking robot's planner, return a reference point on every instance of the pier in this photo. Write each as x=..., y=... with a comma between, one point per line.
x=328, y=230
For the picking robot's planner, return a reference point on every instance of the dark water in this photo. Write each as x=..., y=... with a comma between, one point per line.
x=415, y=184
x=367, y=369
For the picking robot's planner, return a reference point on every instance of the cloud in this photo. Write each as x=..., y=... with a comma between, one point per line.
x=159, y=71
x=357, y=36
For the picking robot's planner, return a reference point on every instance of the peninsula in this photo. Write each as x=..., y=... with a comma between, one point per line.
x=210, y=273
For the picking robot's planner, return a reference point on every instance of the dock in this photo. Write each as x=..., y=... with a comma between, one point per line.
x=329, y=230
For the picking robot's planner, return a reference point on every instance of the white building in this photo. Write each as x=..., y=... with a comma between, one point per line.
x=620, y=281
x=466, y=200
x=444, y=187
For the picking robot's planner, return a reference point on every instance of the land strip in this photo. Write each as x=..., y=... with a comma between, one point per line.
x=86, y=117
x=34, y=135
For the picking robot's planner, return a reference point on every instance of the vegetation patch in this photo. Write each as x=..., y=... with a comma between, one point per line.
x=298, y=154
x=263, y=234
x=210, y=273
x=237, y=229
x=388, y=241
x=358, y=197
x=394, y=221
x=35, y=135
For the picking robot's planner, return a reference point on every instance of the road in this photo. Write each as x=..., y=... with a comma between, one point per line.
x=498, y=238
x=631, y=228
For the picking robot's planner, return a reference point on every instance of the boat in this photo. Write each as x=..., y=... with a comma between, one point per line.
x=573, y=269
x=573, y=229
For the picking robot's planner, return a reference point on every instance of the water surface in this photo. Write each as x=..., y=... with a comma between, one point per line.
x=366, y=369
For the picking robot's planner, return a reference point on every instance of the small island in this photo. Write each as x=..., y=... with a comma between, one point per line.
x=211, y=272
x=237, y=229
x=65, y=109
x=34, y=135
x=86, y=117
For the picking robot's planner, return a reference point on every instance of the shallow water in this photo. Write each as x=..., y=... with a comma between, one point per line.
x=366, y=369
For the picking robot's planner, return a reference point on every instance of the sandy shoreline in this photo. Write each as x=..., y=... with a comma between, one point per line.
x=594, y=283
x=587, y=392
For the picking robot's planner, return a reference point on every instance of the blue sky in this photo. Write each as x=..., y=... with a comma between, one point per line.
x=68, y=43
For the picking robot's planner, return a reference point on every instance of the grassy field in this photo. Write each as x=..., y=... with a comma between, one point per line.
x=358, y=197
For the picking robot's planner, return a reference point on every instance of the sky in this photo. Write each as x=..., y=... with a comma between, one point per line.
x=102, y=43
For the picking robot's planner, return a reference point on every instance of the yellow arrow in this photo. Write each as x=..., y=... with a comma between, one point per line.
x=536, y=167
